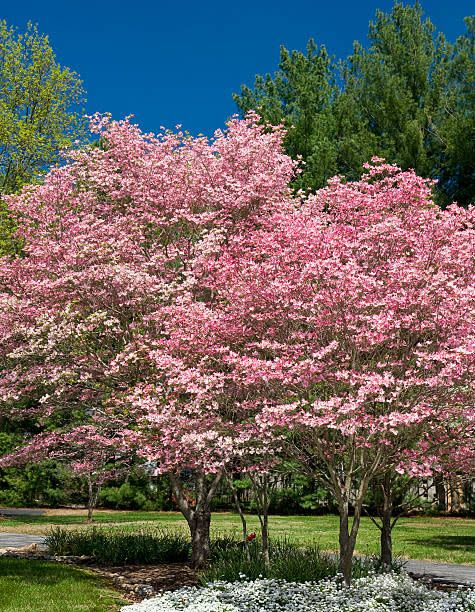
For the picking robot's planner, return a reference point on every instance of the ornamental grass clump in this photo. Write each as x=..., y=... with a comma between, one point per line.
x=288, y=561
x=119, y=547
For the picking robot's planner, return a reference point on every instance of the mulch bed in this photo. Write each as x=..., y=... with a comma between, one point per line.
x=138, y=582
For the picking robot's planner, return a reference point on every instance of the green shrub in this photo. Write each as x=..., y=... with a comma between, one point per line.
x=9, y=497
x=120, y=546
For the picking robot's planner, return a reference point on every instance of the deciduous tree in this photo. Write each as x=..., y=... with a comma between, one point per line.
x=40, y=113
x=101, y=317
x=350, y=325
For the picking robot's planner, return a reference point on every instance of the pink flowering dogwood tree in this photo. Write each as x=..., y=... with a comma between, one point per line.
x=349, y=324
x=174, y=286
x=91, y=314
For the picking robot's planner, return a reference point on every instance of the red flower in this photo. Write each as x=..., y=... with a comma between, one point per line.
x=251, y=536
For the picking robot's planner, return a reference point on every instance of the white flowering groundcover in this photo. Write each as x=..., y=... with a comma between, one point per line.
x=382, y=593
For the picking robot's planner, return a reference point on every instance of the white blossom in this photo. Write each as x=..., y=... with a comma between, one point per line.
x=374, y=593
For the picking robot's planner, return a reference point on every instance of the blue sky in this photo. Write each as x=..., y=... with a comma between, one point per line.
x=179, y=62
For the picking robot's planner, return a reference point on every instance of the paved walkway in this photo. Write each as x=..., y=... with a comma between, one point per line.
x=442, y=572
x=21, y=512
x=18, y=540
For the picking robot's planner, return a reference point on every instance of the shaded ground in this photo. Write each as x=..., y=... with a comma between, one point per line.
x=22, y=512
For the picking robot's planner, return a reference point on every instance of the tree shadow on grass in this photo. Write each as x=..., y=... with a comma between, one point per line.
x=448, y=542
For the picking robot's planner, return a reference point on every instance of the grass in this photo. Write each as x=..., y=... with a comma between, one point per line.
x=38, y=586
x=79, y=517
x=449, y=540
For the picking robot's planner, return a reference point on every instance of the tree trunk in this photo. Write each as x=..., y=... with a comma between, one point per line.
x=440, y=493
x=455, y=494
x=386, y=539
x=242, y=516
x=93, y=497
x=200, y=538
x=386, y=522
x=261, y=493
x=90, y=500
x=347, y=536
x=345, y=560
x=342, y=483
x=265, y=537
x=199, y=517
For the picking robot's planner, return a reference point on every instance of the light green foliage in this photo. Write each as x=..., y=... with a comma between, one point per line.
x=39, y=112
x=7, y=226
x=407, y=97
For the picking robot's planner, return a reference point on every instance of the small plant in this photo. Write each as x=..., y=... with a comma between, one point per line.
x=397, y=564
x=118, y=546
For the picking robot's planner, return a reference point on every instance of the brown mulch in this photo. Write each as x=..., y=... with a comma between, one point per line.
x=141, y=581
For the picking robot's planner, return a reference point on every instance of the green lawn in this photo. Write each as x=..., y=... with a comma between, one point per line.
x=37, y=586
x=450, y=540
x=100, y=516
